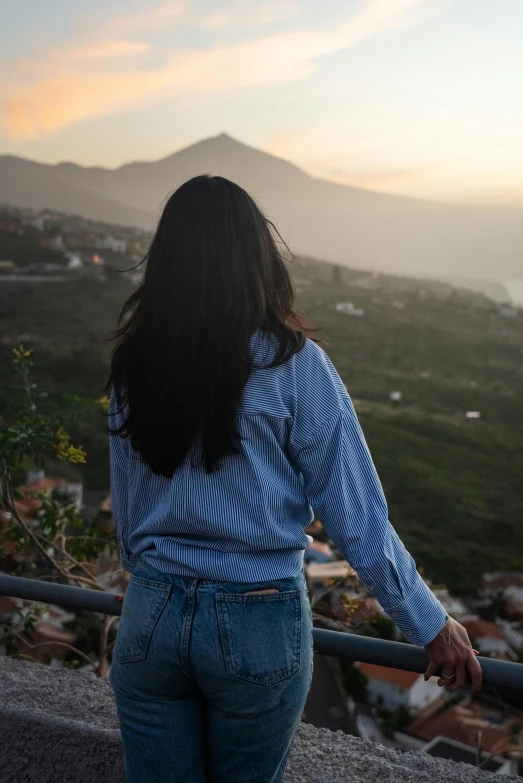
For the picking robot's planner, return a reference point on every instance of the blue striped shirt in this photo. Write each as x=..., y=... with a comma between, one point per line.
x=302, y=449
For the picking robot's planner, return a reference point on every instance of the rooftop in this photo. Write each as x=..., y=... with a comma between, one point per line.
x=336, y=569
x=501, y=732
x=444, y=748
x=478, y=629
x=500, y=579
x=402, y=679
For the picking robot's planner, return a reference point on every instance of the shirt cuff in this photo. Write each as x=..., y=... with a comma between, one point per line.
x=421, y=616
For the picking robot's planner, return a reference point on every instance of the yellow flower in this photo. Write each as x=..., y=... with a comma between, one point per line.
x=65, y=451
x=21, y=353
x=68, y=453
x=103, y=402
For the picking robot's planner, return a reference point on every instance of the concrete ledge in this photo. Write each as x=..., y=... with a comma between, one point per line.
x=59, y=726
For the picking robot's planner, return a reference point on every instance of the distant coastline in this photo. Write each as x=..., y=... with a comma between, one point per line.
x=515, y=290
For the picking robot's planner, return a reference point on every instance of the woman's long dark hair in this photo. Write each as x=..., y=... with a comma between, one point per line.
x=214, y=275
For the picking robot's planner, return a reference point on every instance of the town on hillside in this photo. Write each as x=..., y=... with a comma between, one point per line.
x=50, y=246
x=393, y=707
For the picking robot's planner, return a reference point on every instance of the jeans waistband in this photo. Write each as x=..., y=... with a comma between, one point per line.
x=146, y=571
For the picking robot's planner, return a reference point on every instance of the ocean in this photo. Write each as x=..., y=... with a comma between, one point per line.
x=515, y=289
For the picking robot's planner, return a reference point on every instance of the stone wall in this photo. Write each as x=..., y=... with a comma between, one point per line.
x=58, y=726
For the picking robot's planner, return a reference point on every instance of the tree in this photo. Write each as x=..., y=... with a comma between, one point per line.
x=337, y=278
x=380, y=627
x=32, y=432
x=354, y=681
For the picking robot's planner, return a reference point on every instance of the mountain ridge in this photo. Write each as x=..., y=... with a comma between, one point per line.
x=341, y=223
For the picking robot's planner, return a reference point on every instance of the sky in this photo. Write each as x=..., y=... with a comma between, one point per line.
x=418, y=97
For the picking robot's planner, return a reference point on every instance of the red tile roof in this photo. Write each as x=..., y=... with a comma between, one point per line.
x=503, y=579
x=44, y=485
x=396, y=677
x=514, y=608
x=463, y=721
x=482, y=628
x=314, y=527
x=28, y=506
x=7, y=605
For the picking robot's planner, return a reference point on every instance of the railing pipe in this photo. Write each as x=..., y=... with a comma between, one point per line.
x=499, y=674
x=66, y=596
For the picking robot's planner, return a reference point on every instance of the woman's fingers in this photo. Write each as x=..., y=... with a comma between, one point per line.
x=459, y=680
x=476, y=673
x=460, y=677
x=450, y=656
x=447, y=677
x=431, y=669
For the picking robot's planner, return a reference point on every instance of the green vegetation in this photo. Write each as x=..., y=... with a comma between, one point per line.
x=354, y=682
x=67, y=323
x=394, y=720
x=22, y=250
x=55, y=539
x=453, y=484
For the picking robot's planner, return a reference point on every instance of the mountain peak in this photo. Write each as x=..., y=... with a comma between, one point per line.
x=221, y=140
x=225, y=140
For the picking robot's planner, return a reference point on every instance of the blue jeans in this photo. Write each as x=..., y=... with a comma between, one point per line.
x=210, y=683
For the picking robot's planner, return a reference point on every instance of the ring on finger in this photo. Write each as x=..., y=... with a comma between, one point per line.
x=448, y=676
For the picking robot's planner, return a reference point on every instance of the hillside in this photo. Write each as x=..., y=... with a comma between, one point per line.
x=25, y=183
x=453, y=484
x=352, y=226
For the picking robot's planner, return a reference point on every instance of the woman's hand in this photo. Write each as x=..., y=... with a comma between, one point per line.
x=452, y=652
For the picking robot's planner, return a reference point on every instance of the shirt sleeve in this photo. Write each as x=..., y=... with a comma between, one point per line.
x=119, y=463
x=344, y=490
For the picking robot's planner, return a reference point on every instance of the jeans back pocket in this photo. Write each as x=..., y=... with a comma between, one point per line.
x=143, y=604
x=260, y=635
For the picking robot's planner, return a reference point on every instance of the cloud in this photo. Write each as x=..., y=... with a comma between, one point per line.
x=331, y=144
x=387, y=179
x=155, y=16
x=248, y=14
x=334, y=149
x=103, y=50
x=217, y=19
x=106, y=74
x=270, y=13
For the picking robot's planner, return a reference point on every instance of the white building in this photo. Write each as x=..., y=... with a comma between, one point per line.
x=57, y=243
x=452, y=606
x=394, y=688
x=488, y=638
x=349, y=309
x=512, y=634
x=109, y=242
x=38, y=223
x=74, y=261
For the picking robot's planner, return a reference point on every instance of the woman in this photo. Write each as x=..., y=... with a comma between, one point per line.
x=227, y=425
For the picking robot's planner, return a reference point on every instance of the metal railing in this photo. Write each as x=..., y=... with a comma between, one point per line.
x=502, y=675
